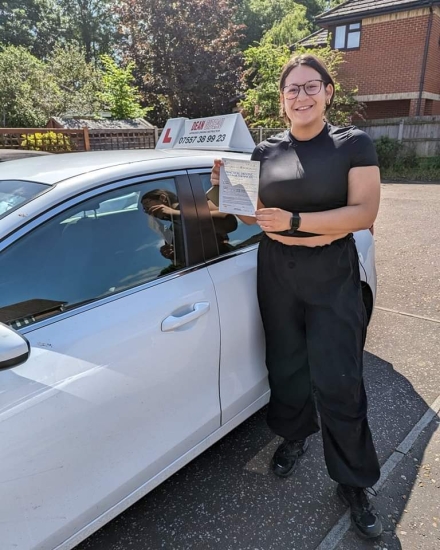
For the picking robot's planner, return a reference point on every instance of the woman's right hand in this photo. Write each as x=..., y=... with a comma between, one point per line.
x=215, y=172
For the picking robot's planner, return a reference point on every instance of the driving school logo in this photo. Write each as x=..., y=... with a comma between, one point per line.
x=211, y=124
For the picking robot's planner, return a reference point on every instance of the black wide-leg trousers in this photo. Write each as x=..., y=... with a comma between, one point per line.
x=315, y=325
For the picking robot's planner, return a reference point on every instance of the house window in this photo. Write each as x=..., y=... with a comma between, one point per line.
x=347, y=37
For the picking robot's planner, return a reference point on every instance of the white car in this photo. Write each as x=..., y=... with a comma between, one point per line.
x=131, y=338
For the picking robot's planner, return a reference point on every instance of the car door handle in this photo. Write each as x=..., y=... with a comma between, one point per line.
x=172, y=322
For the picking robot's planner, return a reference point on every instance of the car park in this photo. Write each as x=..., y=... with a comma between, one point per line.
x=130, y=335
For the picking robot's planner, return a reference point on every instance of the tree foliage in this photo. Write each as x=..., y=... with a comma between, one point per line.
x=119, y=93
x=39, y=25
x=330, y=4
x=26, y=89
x=90, y=23
x=290, y=29
x=31, y=24
x=314, y=7
x=263, y=68
x=259, y=16
x=78, y=81
x=32, y=90
x=186, y=54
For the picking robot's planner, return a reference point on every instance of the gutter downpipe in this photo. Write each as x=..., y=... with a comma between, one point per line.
x=425, y=61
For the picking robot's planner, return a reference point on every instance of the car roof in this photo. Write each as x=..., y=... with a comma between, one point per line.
x=54, y=169
x=14, y=154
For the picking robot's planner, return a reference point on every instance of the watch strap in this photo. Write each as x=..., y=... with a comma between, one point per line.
x=295, y=222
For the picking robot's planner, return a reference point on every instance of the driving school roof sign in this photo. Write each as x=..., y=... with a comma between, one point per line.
x=217, y=133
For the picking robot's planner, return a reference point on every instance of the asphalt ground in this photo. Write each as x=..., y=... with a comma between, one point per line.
x=227, y=499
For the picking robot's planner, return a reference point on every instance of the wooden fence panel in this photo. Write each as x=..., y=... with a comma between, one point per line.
x=59, y=140
x=104, y=140
x=421, y=134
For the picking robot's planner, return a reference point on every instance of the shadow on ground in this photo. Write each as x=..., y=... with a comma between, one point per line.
x=219, y=502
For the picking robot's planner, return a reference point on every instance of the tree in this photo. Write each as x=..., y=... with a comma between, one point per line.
x=314, y=7
x=290, y=29
x=330, y=4
x=32, y=24
x=32, y=91
x=92, y=24
x=259, y=16
x=263, y=68
x=119, y=94
x=27, y=89
x=186, y=54
x=78, y=81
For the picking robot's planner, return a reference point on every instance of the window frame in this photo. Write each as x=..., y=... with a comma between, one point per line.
x=210, y=246
x=191, y=235
x=347, y=33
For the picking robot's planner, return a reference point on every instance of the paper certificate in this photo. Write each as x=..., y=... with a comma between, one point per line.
x=239, y=181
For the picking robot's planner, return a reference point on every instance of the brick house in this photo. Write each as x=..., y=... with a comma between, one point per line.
x=392, y=53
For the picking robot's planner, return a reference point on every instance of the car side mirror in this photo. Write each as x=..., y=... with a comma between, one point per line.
x=14, y=348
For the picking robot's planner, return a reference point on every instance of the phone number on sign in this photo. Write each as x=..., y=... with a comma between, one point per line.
x=202, y=139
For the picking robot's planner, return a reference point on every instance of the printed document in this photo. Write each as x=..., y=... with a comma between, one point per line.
x=239, y=181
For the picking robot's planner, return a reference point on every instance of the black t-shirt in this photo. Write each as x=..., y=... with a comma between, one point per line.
x=311, y=176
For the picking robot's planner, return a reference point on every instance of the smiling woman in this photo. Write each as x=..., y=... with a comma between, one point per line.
x=319, y=91
x=318, y=184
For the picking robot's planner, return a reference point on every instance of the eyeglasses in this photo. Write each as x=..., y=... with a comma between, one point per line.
x=312, y=87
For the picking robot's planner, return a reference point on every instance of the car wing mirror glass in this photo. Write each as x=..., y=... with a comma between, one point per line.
x=14, y=348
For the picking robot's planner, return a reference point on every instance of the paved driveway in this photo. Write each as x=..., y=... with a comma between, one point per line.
x=227, y=500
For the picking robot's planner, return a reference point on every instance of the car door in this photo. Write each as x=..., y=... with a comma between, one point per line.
x=122, y=380
x=231, y=254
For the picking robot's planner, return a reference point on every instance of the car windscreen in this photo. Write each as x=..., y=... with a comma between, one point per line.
x=14, y=193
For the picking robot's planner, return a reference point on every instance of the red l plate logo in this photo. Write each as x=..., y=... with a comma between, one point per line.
x=167, y=138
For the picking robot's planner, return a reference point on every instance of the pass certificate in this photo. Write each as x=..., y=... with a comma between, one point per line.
x=239, y=181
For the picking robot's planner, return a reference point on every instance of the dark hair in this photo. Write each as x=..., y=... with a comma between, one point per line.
x=156, y=195
x=314, y=63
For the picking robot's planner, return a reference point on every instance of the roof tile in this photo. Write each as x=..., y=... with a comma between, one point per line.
x=318, y=38
x=368, y=7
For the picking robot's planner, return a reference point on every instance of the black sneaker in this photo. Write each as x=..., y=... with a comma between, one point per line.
x=285, y=459
x=364, y=518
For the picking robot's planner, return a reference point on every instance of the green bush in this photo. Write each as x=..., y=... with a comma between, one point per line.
x=407, y=158
x=388, y=151
x=399, y=162
x=54, y=142
x=430, y=163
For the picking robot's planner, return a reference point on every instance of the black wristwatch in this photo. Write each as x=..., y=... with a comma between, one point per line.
x=295, y=222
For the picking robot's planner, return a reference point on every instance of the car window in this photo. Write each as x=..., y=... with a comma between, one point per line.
x=15, y=193
x=231, y=233
x=104, y=245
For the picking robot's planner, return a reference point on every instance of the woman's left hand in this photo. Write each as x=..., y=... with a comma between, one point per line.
x=273, y=219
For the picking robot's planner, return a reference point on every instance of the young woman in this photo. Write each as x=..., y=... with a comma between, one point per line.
x=318, y=184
